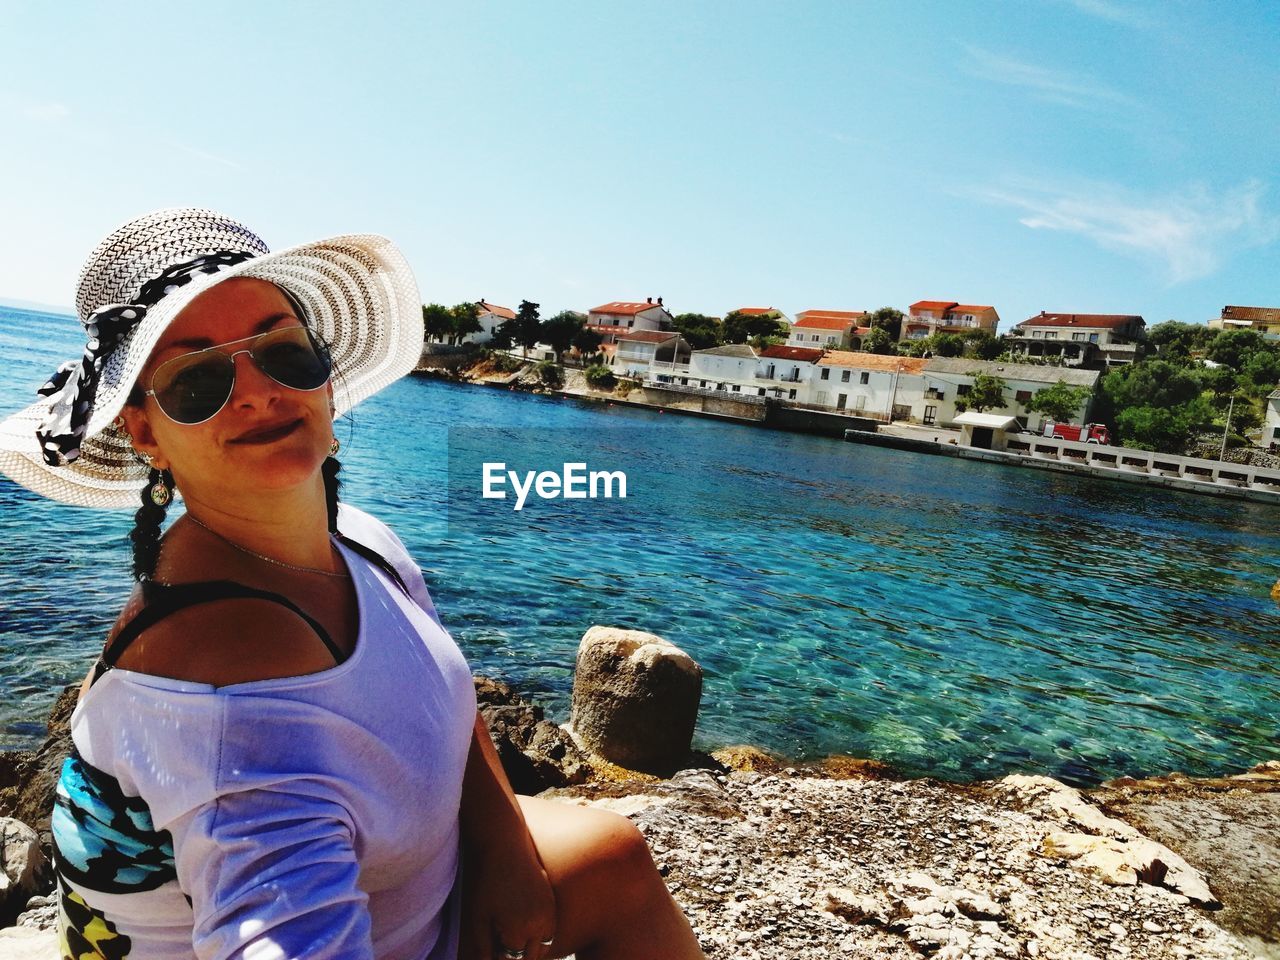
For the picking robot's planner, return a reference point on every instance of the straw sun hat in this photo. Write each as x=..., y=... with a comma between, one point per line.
x=357, y=292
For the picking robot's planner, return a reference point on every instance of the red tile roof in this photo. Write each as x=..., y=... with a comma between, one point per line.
x=937, y=305
x=648, y=336
x=944, y=307
x=873, y=361
x=792, y=353
x=505, y=312
x=625, y=308
x=828, y=319
x=1255, y=314
x=970, y=308
x=756, y=311
x=1107, y=320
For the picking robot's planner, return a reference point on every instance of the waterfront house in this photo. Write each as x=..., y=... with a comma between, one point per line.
x=721, y=368
x=828, y=329
x=618, y=317
x=643, y=353
x=872, y=385
x=949, y=379
x=491, y=317
x=787, y=372
x=986, y=431
x=1263, y=320
x=1271, y=423
x=927, y=317
x=1094, y=340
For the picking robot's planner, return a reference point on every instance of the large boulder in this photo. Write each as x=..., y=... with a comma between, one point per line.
x=22, y=867
x=28, y=780
x=635, y=699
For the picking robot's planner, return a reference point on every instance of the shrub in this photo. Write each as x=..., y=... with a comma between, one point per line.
x=600, y=377
x=549, y=373
x=505, y=363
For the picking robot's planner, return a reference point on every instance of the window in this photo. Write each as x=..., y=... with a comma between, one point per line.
x=930, y=415
x=1078, y=336
x=844, y=376
x=684, y=381
x=703, y=383
x=831, y=339
x=841, y=400
x=761, y=391
x=821, y=398
x=815, y=338
x=1051, y=334
x=963, y=390
x=1093, y=338
x=826, y=373
x=859, y=403
x=864, y=377
x=1022, y=396
x=793, y=396
x=736, y=388
x=1036, y=334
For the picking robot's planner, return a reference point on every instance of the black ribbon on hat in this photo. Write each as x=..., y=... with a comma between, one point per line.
x=74, y=385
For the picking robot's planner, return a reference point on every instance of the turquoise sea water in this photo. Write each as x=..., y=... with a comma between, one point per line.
x=953, y=618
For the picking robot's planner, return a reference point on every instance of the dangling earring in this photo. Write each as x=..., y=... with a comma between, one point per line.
x=334, y=447
x=144, y=457
x=161, y=494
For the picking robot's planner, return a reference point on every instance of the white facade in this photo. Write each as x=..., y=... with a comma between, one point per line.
x=949, y=379
x=491, y=317
x=1271, y=425
x=650, y=357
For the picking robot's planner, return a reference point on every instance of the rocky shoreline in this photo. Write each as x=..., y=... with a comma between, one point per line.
x=842, y=858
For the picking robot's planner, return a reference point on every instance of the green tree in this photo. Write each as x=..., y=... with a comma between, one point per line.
x=887, y=319
x=464, y=319
x=1154, y=404
x=526, y=329
x=1164, y=429
x=987, y=393
x=1060, y=402
x=587, y=341
x=947, y=344
x=700, y=330
x=741, y=327
x=437, y=322
x=1179, y=341
x=1235, y=347
x=988, y=348
x=560, y=331
x=879, y=341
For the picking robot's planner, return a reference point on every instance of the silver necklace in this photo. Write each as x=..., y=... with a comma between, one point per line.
x=263, y=557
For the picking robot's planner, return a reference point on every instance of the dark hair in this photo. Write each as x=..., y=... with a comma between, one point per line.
x=146, y=528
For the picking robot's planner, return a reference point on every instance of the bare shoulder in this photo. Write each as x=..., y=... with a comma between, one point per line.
x=228, y=641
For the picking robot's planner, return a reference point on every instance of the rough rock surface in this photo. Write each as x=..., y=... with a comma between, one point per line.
x=28, y=780
x=22, y=867
x=535, y=753
x=792, y=867
x=635, y=699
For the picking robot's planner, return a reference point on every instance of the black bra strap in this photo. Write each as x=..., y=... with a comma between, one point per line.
x=377, y=559
x=164, y=600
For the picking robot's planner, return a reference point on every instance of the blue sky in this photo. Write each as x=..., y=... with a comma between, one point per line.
x=1068, y=155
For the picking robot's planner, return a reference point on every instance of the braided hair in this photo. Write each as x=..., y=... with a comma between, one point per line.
x=331, y=484
x=146, y=528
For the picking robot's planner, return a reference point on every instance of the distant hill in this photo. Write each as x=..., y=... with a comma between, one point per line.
x=62, y=310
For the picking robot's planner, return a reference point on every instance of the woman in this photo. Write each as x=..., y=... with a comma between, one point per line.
x=278, y=753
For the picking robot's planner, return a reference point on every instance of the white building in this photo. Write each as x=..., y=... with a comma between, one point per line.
x=1271, y=425
x=491, y=317
x=828, y=329
x=611, y=320
x=1100, y=339
x=643, y=353
x=872, y=385
x=948, y=379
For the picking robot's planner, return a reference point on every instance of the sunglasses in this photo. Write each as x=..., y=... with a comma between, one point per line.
x=193, y=387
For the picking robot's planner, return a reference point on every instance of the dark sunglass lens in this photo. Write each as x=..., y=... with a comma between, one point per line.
x=194, y=392
x=291, y=359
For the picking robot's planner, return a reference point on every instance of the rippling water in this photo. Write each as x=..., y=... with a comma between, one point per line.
x=952, y=618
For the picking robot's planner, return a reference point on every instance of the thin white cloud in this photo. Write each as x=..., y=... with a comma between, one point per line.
x=1186, y=234
x=1127, y=14
x=1056, y=86
x=205, y=155
x=46, y=111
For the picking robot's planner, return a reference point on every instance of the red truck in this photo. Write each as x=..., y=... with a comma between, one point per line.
x=1089, y=433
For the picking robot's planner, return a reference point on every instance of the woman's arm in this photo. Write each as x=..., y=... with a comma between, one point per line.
x=508, y=901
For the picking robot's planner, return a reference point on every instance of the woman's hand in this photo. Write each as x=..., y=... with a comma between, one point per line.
x=508, y=903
